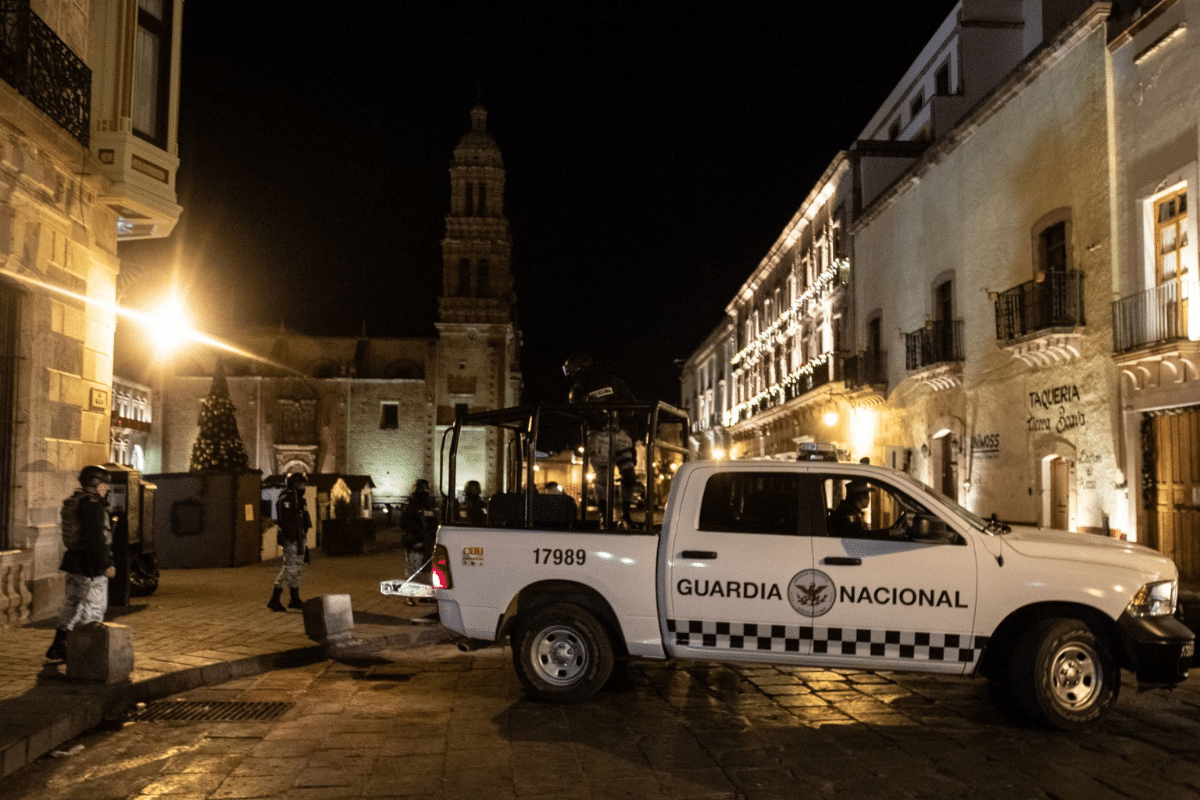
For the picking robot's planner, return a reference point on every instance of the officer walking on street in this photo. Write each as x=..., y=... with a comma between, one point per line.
x=88, y=561
x=294, y=522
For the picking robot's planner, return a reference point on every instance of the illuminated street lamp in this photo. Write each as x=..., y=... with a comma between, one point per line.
x=169, y=325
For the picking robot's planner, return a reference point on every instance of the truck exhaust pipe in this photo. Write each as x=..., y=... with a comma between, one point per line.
x=471, y=645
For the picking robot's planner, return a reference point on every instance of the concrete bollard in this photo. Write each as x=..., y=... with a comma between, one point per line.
x=100, y=651
x=329, y=619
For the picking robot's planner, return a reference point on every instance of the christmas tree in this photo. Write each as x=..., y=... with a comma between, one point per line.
x=219, y=445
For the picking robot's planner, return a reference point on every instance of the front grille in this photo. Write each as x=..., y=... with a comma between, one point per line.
x=211, y=711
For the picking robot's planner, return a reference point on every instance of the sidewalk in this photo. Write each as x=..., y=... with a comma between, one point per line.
x=201, y=627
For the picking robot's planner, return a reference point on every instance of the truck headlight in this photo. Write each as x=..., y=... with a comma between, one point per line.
x=1155, y=599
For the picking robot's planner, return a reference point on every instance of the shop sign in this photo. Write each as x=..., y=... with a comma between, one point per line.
x=1051, y=410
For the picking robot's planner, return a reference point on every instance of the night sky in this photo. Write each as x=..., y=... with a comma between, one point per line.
x=654, y=151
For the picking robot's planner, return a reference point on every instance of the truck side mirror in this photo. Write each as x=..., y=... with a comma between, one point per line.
x=928, y=529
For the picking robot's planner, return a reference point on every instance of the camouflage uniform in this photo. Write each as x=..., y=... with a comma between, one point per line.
x=293, y=532
x=87, y=586
x=87, y=601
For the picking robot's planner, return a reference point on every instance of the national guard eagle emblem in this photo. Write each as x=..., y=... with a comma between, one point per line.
x=811, y=592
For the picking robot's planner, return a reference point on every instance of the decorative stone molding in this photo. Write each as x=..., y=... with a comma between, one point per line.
x=1047, y=350
x=16, y=600
x=1162, y=368
x=939, y=376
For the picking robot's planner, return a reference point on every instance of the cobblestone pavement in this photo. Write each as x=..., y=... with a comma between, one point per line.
x=431, y=722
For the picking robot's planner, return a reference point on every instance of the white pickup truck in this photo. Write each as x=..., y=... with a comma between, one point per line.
x=813, y=563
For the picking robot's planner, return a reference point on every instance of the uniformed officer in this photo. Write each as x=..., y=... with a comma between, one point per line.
x=294, y=522
x=589, y=385
x=848, y=518
x=88, y=561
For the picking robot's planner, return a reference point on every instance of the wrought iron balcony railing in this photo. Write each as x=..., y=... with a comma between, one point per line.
x=866, y=369
x=939, y=342
x=1054, y=302
x=39, y=65
x=1150, y=317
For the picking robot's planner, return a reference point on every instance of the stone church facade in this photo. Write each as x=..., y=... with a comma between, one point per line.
x=378, y=406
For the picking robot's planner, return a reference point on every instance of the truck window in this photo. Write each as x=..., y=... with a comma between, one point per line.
x=863, y=509
x=751, y=502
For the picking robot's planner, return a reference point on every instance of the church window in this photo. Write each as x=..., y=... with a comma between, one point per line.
x=481, y=290
x=297, y=421
x=483, y=199
x=390, y=416
x=464, y=277
x=470, y=204
x=151, y=70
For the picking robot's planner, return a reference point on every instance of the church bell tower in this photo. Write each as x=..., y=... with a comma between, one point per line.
x=478, y=343
x=477, y=250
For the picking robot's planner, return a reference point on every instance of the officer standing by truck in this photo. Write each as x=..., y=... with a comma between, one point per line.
x=589, y=385
x=88, y=561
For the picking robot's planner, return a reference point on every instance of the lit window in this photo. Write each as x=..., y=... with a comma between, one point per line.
x=152, y=64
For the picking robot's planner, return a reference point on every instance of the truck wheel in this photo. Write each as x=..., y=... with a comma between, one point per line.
x=562, y=654
x=1063, y=676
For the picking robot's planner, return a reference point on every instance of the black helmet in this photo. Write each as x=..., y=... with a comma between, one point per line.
x=296, y=479
x=577, y=363
x=857, y=487
x=94, y=475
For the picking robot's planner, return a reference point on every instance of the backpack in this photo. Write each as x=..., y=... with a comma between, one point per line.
x=72, y=538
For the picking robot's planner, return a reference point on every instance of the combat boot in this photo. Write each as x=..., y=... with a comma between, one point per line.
x=296, y=602
x=58, y=649
x=274, y=603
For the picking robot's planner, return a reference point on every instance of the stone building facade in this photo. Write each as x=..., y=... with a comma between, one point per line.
x=378, y=406
x=87, y=160
x=1020, y=254
x=1155, y=59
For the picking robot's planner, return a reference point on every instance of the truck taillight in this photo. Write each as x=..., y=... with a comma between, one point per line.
x=441, y=568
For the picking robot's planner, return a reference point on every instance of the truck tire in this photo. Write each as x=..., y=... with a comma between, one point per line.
x=562, y=654
x=1063, y=676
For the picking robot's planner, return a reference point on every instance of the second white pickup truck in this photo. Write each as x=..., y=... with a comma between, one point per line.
x=812, y=563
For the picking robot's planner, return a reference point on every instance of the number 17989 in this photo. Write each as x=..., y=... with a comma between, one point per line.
x=559, y=557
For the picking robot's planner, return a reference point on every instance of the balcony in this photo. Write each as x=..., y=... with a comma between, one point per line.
x=934, y=354
x=1154, y=342
x=39, y=65
x=865, y=375
x=1155, y=316
x=1039, y=321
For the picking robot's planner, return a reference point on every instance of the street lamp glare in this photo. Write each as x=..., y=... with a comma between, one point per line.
x=169, y=325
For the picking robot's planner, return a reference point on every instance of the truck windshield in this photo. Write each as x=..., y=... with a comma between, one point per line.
x=970, y=517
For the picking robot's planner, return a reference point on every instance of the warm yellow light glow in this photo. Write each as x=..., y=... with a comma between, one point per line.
x=169, y=325
x=591, y=476
x=718, y=453
x=863, y=425
x=831, y=418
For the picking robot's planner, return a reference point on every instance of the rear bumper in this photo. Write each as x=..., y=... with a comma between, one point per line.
x=1160, y=648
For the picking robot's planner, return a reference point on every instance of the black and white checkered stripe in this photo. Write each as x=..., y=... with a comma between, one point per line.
x=915, y=645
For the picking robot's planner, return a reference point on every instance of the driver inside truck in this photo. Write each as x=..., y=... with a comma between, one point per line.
x=849, y=518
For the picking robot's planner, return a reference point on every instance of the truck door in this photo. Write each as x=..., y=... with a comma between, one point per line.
x=731, y=562
x=897, y=594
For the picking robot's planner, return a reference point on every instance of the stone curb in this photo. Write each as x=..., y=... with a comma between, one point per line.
x=94, y=703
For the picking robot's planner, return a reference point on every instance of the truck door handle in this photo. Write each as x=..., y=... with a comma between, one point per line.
x=698, y=554
x=843, y=561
